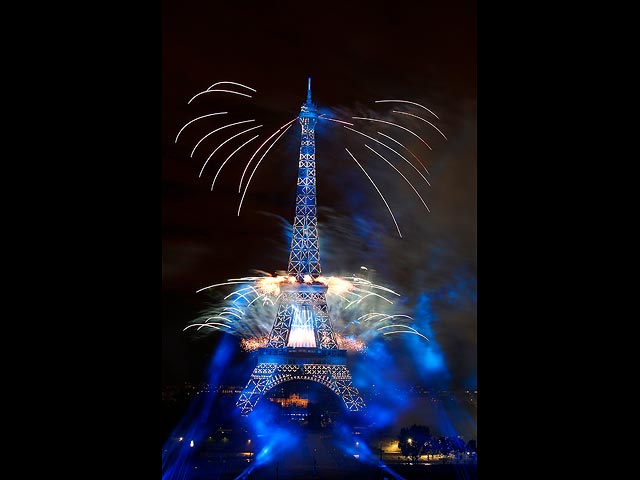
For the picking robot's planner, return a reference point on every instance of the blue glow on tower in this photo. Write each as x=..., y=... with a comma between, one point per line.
x=305, y=254
x=302, y=344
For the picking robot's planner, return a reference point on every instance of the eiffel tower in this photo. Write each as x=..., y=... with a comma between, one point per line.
x=302, y=344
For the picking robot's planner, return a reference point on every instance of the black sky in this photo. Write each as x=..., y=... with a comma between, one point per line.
x=356, y=52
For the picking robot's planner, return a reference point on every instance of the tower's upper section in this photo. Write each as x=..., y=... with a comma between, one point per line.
x=304, y=259
x=309, y=110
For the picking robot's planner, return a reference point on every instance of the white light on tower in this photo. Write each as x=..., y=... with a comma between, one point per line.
x=302, y=331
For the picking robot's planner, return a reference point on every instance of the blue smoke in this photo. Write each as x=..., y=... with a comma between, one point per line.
x=177, y=454
x=430, y=358
x=271, y=440
x=356, y=447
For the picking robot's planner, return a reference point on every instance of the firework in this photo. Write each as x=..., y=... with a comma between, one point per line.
x=280, y=132
x=359, y=308
x=254, y=343
x=378, y=190
x=354, y=303
x=350, y=343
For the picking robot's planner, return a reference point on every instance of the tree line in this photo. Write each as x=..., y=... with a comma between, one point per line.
x=417, y=440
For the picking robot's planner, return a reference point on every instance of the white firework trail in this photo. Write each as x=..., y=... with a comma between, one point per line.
x=227, y=159
x=220, y=146
x=210, y=325
x=257, y=298
x=257, y=165
x=362, y=281
x=223, y=87
x=411, y=330
x=394, y=151
x=407, y=101
x=258, y=149
x=237, y=292
x=203, y=116
x=218, y=285
x=406, y=331
x=395, y=125
x=228, y=312
x=378, y=190
x=322, y=116
x=374, y=294
x=217, y=90
x=231, y=83
x=424, y=120
x=414, y=155
x=402, y=175
x=217, y=130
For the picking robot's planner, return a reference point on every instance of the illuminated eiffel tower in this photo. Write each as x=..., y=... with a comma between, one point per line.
x=302, y=344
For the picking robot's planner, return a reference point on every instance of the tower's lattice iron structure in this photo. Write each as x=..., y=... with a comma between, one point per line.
x=302, y=344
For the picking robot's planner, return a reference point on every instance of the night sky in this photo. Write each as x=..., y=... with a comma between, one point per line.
x=356, y=52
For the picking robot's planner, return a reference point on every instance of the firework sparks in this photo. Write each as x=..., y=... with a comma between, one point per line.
x=248, y=311
x=217, y=130
x=395, y=125
x=231, y=83
x=401, y=174
x=253, y=344
x=350, y=343
x=396, y=152
x=217, y=90
x=414, y=155
x=227, y=159
x=220, y=146
x=358, y=307
x=244, y=172
x=322, y=116
x=379, y=192
x=399, y=325
x=412, y=103
x=257, y=165
x=207, y=324
x=271, y=285
x=203, y=116
x=424, y=120
x=336, y=285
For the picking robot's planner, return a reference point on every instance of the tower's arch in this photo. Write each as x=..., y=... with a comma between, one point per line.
x=283, y=378
x=269, y=374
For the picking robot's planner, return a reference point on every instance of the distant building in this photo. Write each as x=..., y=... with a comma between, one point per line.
x=293, y=400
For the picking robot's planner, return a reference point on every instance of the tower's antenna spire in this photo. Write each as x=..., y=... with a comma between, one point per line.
x=309, y=90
